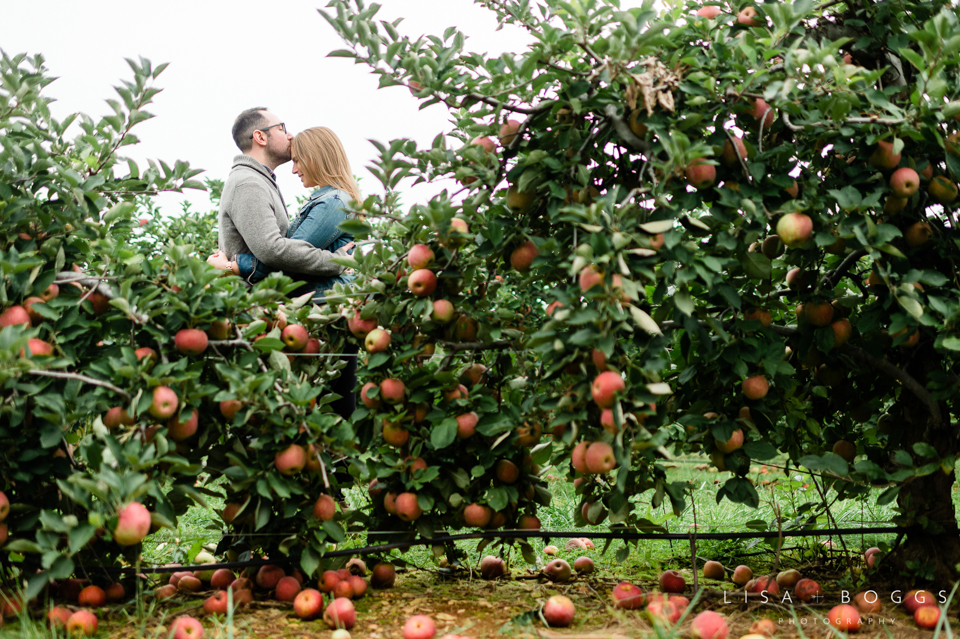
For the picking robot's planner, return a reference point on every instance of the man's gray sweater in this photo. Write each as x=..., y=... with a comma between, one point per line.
x=253, y=219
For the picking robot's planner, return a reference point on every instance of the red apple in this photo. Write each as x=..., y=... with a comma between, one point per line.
x=748, y=17
x=844, y=617
x=115, y=593
x=290, y=460
x=713, y=570
x=82, y=623
x=294, y=337
x=13, y=316
x=442, y=312
x=186, y=628
x=407, y=507
x=627, y=596
x=600, y=458
x=559, y=611
x=165, y=403
x=942, y=190
x=794, y=229
x=729, y=157
x=807, y=590
x=557, y=571
x=701, y=174
x=133, y=524
x=522, y=257
x=419, y=627
x=927, y=617
x=217, y=603
x=492, y=567
x=340, y=613
x=467, y=425
x=92, y=597
x=190, y=341
x=605, y=387
x=755, y=387
x=420, y=256
x=672, y=581
x=58, y=616
x=583, y=565
x=732, y=444
x=287, y=589
x=867, y=602
x=377, y=341
x=904, y=182
x=741, y=575
x=117, y=416
x=709, y=625
x=883, y=156
x=918, y=598
x=222, y=578
x=182, y=431
x=360, y=328
x=422, y=282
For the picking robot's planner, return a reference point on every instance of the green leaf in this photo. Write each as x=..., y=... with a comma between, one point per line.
x=925, y=450
x=757, y=266
x=760, y=450
x=830, y=462
x=309, y=561
x=684, y=302
x=910, y=305
x=444, y=433
x=334, y=531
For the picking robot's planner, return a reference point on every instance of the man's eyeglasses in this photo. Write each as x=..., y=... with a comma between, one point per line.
x=283, y=128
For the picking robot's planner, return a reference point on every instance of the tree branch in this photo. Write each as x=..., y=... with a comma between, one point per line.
x=96, y=284
x=83, y=378
x=623, y=130
x=837, y=274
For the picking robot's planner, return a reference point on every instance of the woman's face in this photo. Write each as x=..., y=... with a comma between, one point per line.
x=307, y=182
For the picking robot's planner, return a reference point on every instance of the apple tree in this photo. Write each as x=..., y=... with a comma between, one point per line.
x=132, y=372
x=726, y=228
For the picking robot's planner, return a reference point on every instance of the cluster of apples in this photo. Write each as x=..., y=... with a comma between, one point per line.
x=26, y=316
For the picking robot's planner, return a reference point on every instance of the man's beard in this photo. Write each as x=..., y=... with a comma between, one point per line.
x=278, y=158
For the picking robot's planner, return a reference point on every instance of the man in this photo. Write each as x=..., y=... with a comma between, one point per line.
x=253, y=217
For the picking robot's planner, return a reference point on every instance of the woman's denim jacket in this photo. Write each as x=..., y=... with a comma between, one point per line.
x=317, y=224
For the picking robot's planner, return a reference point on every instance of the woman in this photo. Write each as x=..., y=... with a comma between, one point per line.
x=319, y=160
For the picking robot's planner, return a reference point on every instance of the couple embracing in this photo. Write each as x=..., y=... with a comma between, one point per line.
x=257, y=237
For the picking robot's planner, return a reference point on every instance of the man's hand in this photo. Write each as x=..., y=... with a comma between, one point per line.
x=343, y=251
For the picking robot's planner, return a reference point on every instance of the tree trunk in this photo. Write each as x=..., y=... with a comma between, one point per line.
x=932, y=546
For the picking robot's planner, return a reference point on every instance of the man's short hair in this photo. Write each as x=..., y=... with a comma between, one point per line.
x=244, y=126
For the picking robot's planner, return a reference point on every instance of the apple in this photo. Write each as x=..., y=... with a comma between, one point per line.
x=190, y=341
x=846, y=450
x=709, y=625
x=222, y=578
x=92, y=597
x=942, y=190
x=765, y=583
x=37, y=348
x=794, y=229
x=918, y=234
x=407, y=507
x=165, y=592
x=50, y=293
x=763, y=627
x=35, y=317
x=392, y=391
x=755, y=387
x=419, y=627
x=732, y=444
x=219, y=329
x=605, y=387
x=627, y=596
x=422, y=282
x=488, y=145
x=904, y=182
x=377, y=341
x=358, y=585
x=559, y=611
x=328, y=580
x=528, y=435
x=477, y=515
x=58, y=616
x=742, y=575
x=522, y=257
x=290, y=460
x=763, y=110
x=82, y=623
x=420, y=256
x=761, y=315
x=713, y=570
x=842, y=332
x=672, y=581
x=148, y=354
x=269, y=576
x=709, y=11
x=217, y=603
x=583, y=565
x=341, y=634
x=186, y=627
x=927, y=617
x=844, y=617
x=189, y=583
x=528, y=522
x=788, y=578
x=492, y=567
x=748, y=17
x=115, y=592
x=165, y=403
x=395, y=433
x=589, y=277
x=557, y=570
x=883, y=156
x=182, y=431
x=325, y=508
x=661, y=609
x=818, y=312
x=466, y=329
x=4, y=506
x=443, y=312
x=459, y=225
x=340, y=613
x=133, y=524
x=867, y=602
x=117, y=416
x=729, y=157
x=600, y=458
x=807, y=590
x=916, y=599
x=360, y=328
x=518, y=200
x=701, y=174
x=357, y=567
x=573, y=544
x=13, y=316
x=552, y=307
x=294, y=337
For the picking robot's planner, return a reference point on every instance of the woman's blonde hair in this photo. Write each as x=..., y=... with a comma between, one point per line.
x=322, y=159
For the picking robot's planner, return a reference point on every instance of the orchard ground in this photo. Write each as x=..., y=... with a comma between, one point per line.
x=463, y=603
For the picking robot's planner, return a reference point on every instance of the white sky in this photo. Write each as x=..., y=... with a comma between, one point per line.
x=226, y=56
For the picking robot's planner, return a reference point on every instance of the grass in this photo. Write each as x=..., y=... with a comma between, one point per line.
x=793, y=498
